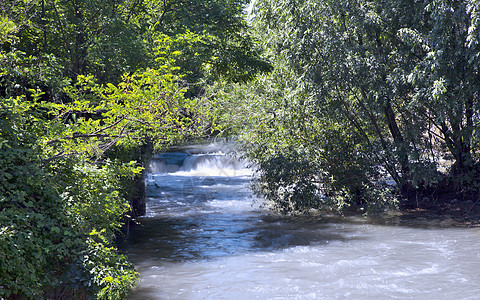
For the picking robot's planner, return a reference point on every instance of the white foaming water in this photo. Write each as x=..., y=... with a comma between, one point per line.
x=203, y=179
x=214, y=164
x=199, y=164
x=202, y=238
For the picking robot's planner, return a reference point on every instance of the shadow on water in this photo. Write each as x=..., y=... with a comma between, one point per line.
x=206, y=237
x=197, y=237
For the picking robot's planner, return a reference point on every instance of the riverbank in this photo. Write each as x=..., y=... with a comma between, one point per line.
x=452, y=214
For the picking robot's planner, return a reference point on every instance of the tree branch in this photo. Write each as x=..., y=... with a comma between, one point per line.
x=89, y=135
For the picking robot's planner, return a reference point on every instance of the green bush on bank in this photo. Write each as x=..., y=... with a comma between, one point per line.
x=49, y=214
x=62, y=199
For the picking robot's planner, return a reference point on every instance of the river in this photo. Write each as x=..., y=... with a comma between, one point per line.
x=205, y=237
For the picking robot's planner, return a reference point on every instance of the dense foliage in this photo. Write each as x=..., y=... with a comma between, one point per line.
x=62, y=200
x=367, y=98
x=85, y=85
x=367, y=101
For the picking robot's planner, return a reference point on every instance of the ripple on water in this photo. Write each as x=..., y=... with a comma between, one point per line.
x=203, y=239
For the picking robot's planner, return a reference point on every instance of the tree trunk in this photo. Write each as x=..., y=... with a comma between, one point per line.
x=80, y=62
x=401, y=148
x=406, y=187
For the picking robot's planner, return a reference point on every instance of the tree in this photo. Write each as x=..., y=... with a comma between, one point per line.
x=64, y=217
x=398, y=80
x=63, y=194
x=107, y=39
x=84, y=85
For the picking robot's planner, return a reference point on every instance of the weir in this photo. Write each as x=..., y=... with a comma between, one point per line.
x=205, y=236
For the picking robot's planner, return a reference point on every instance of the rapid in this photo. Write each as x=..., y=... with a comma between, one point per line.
x=206, y=236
